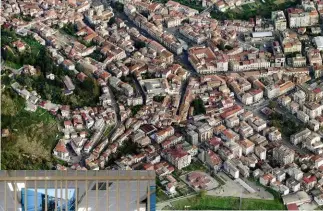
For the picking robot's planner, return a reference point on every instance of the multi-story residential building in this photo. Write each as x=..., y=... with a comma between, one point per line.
x=279, y=19
x=275, y=90
x=178, y=157
x=213, y=160
x=231, y=169
x=283, y=155
x=314, y=125
x=293, y=107
x=301, y=115
x=205, y=61
x=290, y=42
x=298, y=17
x=232, y=122
x=261, y=152
x=249, y=61
x=318, y=40
x=161, y=135
x=299, y=97
x=295, y=173
x=194, y=33
x=245, y=130
x=314, y=57
x=300, y=136
x=257, y=95
x=247, y=146
x=313, y=143
x=279, y=56
x=272, y=91
x=298, y=61
x=280, y=174
x=309, y=182
x=234, y=147
x=293, y=184
x=205, y=132
x=193, y=137
x=274, y=134
x=285, y=100
x=267, y=179
x=60, y=151
x=257, y=123
x=312, y=109
x=229, y=135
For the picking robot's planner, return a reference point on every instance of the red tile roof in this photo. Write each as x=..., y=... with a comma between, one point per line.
x=292, y=207
x=61, y=147
x=310, y=179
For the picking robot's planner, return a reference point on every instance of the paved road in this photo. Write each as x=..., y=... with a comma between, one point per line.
x=118, y=121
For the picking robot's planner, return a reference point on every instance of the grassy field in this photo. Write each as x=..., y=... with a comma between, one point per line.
x=227, y=203
x=32, y=135
x=247, y=11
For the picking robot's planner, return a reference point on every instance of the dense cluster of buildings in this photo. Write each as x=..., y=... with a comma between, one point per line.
x=171, y=115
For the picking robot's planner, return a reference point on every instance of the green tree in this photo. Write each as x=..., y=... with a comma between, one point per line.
x=119, y=6
x=272, y=104
x=112, y=21
x=198, y=106
x=139, y=44
x=221, y=46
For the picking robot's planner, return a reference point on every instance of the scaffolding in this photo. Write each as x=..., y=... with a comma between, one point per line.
x=77, y=190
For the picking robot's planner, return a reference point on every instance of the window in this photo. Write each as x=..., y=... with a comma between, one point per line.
x=101, y=186
x=28, y=200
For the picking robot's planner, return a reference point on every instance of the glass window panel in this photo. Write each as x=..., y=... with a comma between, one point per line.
x=81, y=190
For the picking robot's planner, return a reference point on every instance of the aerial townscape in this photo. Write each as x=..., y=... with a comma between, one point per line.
x=223, y=99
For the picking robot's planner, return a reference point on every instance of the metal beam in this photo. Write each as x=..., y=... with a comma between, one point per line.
x=73, y=178
x=148, y=196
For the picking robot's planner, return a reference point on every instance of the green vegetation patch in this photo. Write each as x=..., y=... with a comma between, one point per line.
x=195, y=166
x=96, y=55
x=161, y=195
x=139, y=44
x=85, y=94
x=128, y=147
x=198, y=105
x=259, y=8
x=108, y=130
x=226, y=203
x=69, y=29
x=158, y=98
x=135, y=109
x=287, y=126
x=32, y=134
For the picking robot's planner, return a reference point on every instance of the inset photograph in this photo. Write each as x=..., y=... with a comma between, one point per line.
x=77, y=190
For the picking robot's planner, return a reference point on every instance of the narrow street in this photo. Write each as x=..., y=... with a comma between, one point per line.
x=182, y=58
